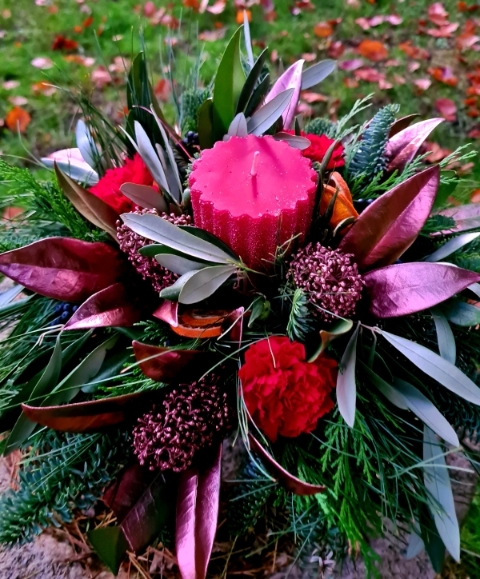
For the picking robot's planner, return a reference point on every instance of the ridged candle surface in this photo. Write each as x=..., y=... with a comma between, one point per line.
x=254, y=193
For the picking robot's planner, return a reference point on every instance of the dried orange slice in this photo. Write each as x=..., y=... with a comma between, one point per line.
x=193, y=323
x=343, y=205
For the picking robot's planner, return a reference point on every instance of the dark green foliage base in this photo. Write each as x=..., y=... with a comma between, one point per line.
x=62, y=472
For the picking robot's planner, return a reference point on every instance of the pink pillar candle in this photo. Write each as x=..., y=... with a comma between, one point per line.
x=254, y=193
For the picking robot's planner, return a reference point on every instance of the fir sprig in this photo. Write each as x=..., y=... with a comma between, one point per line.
x=47, y=211
x=63, y=472
x=300, y=318
x=370, y=160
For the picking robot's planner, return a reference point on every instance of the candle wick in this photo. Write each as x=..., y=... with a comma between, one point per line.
x=253, y=170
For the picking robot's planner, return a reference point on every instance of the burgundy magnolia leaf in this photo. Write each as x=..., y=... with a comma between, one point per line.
x=141, y=502
x=167, y=365
x=127, y=488
x=90, y=416
x=390, y=225
x=63, y=268
x=235, y=321
x=287, y=480
x=197, y=515
x=402, y=147
x=87, y=204
x=291, y=78
x=168, y=313
x=401, y=124
x=112, y=306
x=406, y=288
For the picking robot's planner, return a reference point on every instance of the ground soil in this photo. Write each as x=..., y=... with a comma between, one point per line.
x=57, y=555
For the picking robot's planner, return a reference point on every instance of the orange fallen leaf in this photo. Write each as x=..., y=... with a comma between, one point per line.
x=474, y=133
x=437, y=14
x=422, y=83
x=17, y=119
x=475, y=196
x=194, y=4
x=212, y=35
x=374, y=50
x=12, y=212
x=350, y=82
x=466, y=40
x=323, y=29
x=443, y=31
x=163, y=90
x=463, y=7
x=336, y=49
x=239, y=16
x=313, y=97
x=413, y=51
x=443, y=74
x=65, y=44
x=43, y=88
x=447, y=108
x=436, y=153
x=218, y=7
x=369, y=75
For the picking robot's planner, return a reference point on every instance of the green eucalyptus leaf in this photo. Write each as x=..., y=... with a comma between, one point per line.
x=445, y=337
x=172, y=292
x=88, y=368
x=436, y=367
x=461, y=313
x=260, y=309
x=249, y=86
x=238, y=127
x=205, y=125
x=260, y=92
x=428, y=413
x=145, y=196
x=316, y=73
x=8, y=296
x=210, y=237
x=440, y=496
x=338, y=328
x=452, y=246
x=157, y=229
x=170, y=155
x=24, y=427
x=228, y=85
x=178, y=264
x=390, y=393
x=202, y=284
x=150, y=157
x=111, y=368
x=294, y=141
x=248, y=39
x=110, y=545
x=267, y=115
x=346, y=383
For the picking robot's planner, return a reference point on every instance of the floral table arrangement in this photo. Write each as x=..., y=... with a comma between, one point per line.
x=303, y=290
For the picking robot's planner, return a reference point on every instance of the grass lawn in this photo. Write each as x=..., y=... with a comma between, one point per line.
x=103, y=31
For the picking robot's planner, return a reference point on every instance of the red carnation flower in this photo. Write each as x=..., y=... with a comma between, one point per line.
x=319, y=147
x=283, y=392
x=108, y=188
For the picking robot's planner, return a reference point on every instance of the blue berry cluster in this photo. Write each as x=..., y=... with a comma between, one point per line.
x=64, y=311
x=191, y=138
